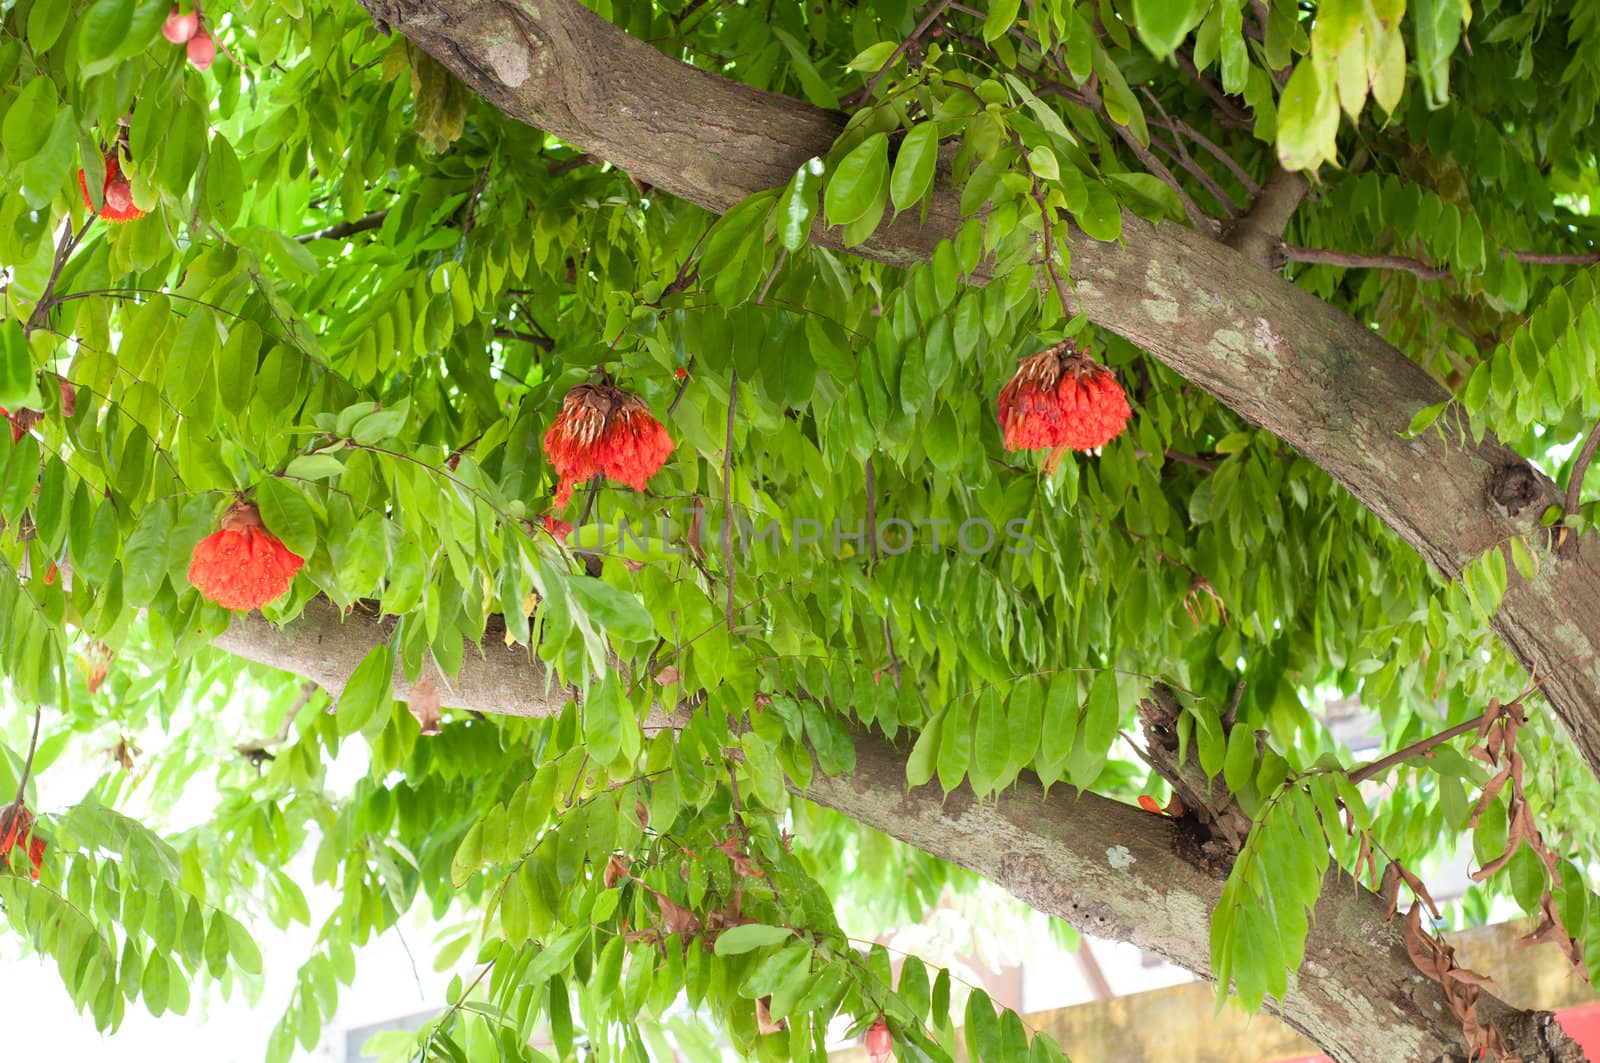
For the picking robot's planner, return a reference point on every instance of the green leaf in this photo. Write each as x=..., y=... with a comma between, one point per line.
x=870, y=59
x=224, y=182
x=621, y=614
x=1239, y=765
x=1308, y=118
x=1424, y=418
x=816, y=88
x=856, y=187
x=368, y=689
x=16, y=365
x=1163, y=24
x=748, y=937
x=1438, y=27
x=27, y=122
x=45, y=23
x=798, y=205
x=1002, y=15
x=315, y=467
x=287, y=515
x=103, y=29
x=914, y=165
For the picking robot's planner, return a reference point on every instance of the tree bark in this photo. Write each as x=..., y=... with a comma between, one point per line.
x=1107, y=868
x=1275, y=354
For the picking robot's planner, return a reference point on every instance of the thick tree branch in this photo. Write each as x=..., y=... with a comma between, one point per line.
x=1258, y=235
x=1109, y=869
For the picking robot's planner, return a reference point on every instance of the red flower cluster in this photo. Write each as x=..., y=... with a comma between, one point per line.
x=116, y=195
x=1061, y=398
x=243, y=566
x=604, y=431
x=16, y=826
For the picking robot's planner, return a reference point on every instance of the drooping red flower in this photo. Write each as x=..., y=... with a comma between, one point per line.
x=16, y=827
x=242, y=566
x=116, y=195
x=604, y=431
x=879, y=1041
x=1062, y=398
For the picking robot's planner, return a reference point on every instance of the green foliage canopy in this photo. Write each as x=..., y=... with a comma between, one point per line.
x=358, y=296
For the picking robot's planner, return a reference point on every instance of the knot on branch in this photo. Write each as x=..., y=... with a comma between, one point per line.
x=1207, y=802
x=1514, y=488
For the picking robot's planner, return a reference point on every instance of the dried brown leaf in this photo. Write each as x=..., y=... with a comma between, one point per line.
x=764, y=1023
x=424, y=705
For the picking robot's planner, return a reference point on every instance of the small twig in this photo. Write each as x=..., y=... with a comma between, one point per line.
x=738, y=806
x=872, y=554
x=1185, y=160
x=544, y=343
x=1228, y=112
x=1579, y=468
x=1189, y=459
x=683, y=386
x=727, y=495
x=1322, y=257
x=47, y=299
x=1354, y=260
x=259, y=750
x=1176, y=150
x=1383, y=764
x=472, y=197
x=346, y=228
x=777, y=267
x=1178, y=127
x=865, y=92
x=1231, y=714
x=1554, y=258
x=1049, y=237
x=27, y=762
x=1197, y=217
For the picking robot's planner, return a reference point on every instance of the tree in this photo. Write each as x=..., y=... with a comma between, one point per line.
x=318, y=330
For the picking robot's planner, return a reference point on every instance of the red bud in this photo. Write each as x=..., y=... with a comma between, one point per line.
x=179, y=28
x=119, y=193
x=879, y=1042
x=202, y=51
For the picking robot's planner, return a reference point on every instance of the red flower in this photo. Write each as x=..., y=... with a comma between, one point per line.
x=243, y=566
x=604, y=431
x=682, y=372
x=1060, y=398
x=558, y=528
x=16, y=826
x=116, y=195
x=879, y=1041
